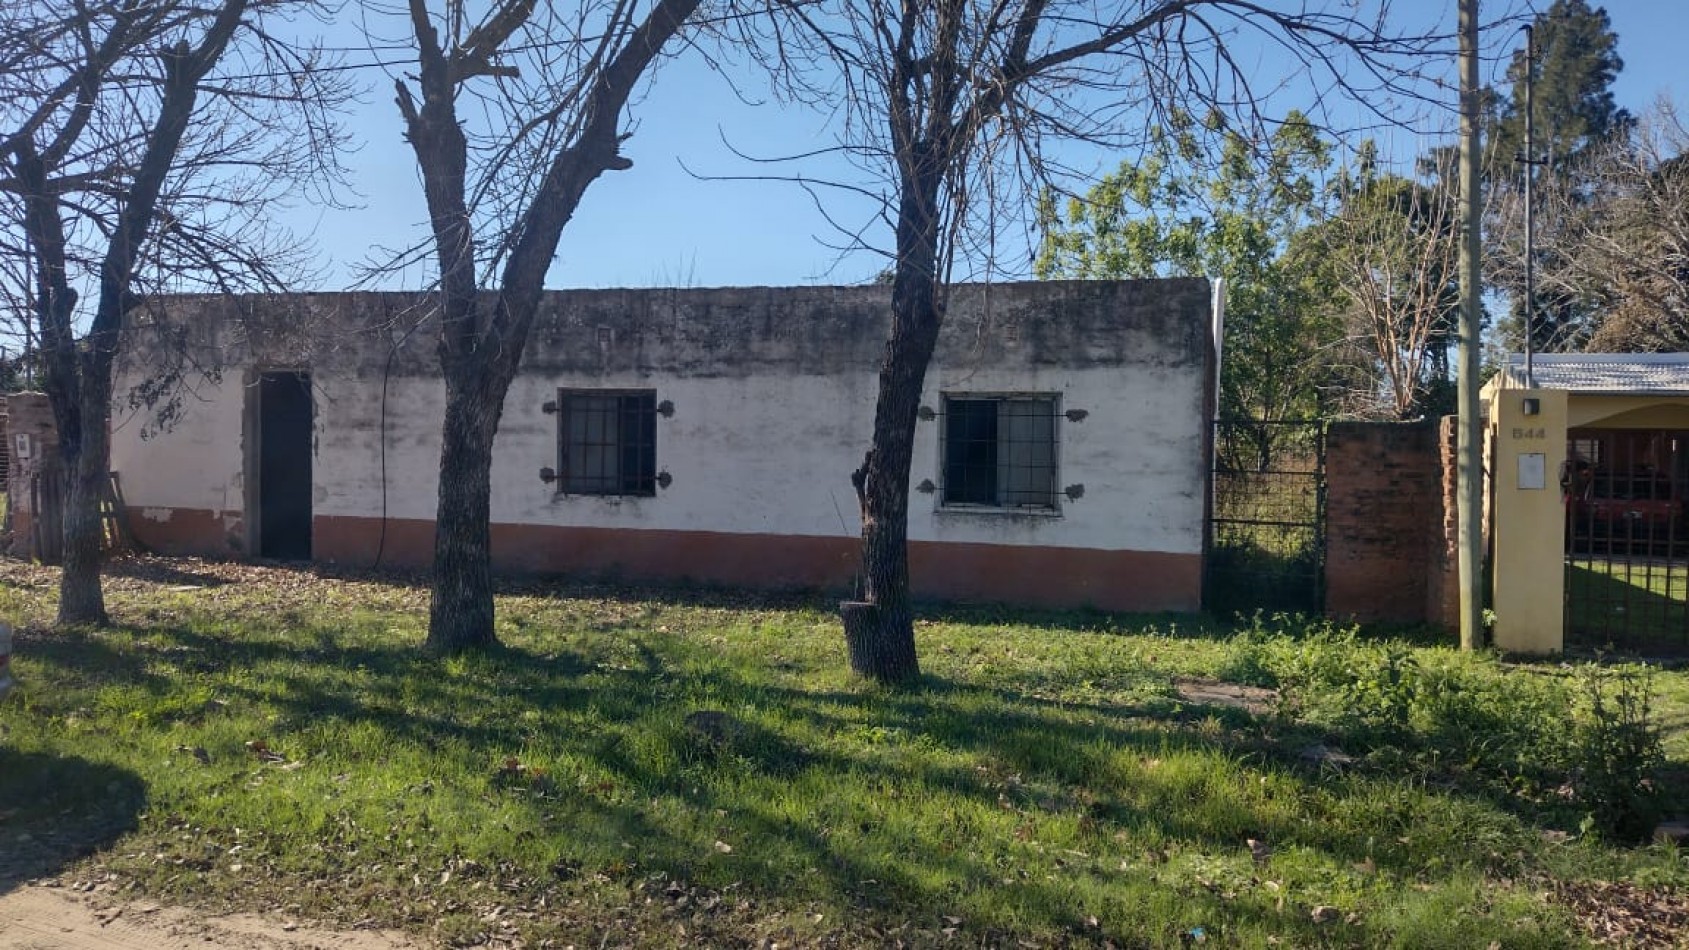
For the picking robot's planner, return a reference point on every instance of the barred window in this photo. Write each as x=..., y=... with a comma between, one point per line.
x=607, y=442
x=1000, y=451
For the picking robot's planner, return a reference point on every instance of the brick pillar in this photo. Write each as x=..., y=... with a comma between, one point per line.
x=1442, y=588
x=33, y=442
x=1383, y=479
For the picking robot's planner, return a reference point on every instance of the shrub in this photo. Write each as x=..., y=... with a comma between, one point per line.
x=1446, y=713
x=1615, y=751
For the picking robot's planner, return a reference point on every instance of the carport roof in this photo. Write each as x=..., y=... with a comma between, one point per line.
x=1605, y=372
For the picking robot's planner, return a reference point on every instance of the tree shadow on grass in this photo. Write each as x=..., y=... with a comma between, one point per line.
x=85, y=651
x=686, y=593
x=159, y=570
x=56, y=809
x=986, y=748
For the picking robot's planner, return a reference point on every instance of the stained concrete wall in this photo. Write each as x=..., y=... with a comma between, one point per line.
x=773, y=392
x=32, y=476
x=183, y=481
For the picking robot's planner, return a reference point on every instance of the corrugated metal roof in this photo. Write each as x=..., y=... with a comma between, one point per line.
x=1605, y=372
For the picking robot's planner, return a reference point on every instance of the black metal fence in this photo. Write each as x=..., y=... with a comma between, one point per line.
x=1266, y=532
x=1627, y=540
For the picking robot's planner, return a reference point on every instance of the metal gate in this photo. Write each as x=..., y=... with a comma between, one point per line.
x=1266, y=531
x=1627, y=540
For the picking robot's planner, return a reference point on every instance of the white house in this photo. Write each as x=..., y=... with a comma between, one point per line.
x=700, y=435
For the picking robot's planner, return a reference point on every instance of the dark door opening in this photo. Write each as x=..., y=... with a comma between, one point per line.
x=284, y=466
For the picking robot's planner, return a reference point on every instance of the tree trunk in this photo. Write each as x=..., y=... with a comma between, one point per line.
x=879, y=629
x=460, y=613
x=81, y=601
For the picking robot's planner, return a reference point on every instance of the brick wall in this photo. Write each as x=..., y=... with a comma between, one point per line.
x=1387, y=542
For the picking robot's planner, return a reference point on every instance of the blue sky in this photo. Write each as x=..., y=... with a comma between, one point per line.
x=1652, y=36
x=658, y=225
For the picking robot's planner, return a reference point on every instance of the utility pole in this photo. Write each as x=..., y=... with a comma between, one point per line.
x=1469, y=502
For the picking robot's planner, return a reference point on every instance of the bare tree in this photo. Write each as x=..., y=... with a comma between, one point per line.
x=550, y=86
x=1613, y=236
x=950, y=104
x=1391, y=249
x=1640, y=251
x=142, y=149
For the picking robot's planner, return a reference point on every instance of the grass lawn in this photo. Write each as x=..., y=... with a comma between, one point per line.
x=272, y=739
x=1640, y=603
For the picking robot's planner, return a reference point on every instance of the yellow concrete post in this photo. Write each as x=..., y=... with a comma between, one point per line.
x=1530, y=519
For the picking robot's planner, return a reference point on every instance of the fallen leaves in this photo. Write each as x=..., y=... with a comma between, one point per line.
x=262, y=752
x=1624, y=914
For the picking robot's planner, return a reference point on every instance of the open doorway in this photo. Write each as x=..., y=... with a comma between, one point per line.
x=284, y=466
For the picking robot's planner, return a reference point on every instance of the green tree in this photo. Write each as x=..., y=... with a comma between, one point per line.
x=1577, y=60
x=1177, y=213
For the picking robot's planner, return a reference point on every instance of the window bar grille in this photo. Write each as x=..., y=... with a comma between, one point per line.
x=607, y=442
x=1000, y=452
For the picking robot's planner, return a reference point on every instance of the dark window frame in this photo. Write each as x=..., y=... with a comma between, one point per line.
x=975, y=475
x=1589, y=450
x=625, y=435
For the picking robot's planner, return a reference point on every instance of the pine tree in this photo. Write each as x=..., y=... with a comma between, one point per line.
x=1577, y=60
x=1575, y=115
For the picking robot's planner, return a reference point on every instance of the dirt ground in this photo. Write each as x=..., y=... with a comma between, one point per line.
x=34, y=917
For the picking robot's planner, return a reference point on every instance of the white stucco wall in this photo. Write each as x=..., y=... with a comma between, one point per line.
x=764, y=449
x=195, y=463
x=774, y=456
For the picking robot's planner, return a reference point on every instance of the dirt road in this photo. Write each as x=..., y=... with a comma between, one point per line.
x=51, y=918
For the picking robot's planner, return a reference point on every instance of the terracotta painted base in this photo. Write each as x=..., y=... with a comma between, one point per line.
x=1032, y=576
x=23, y=527
x=187, y=531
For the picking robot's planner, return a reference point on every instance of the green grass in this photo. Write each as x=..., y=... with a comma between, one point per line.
x=1641, y=603
x=1045, y=784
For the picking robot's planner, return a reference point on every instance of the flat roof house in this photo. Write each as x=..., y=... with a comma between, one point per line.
x=701, y=435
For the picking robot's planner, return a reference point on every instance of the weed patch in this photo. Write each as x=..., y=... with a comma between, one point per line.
x=1580, y=741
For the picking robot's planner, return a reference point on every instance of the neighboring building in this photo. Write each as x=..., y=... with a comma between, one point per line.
x=1591, y=471
x=1062, y=456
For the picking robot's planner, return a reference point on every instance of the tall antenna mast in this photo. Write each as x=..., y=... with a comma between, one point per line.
x=1530, y=161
